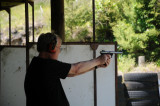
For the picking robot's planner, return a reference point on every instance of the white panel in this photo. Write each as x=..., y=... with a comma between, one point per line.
x=13, y=68
x=79, y=90
x=33, y=52
x=106, y=80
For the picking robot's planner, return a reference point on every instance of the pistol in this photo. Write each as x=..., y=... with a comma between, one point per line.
x=109, y=52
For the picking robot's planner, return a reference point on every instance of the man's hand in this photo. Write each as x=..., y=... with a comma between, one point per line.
x=104, y=60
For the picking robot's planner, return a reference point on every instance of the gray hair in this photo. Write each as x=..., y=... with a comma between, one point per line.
x=44, y=40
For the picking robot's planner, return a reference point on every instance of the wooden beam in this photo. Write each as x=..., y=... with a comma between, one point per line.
x=6, y=4
x=57, y=18
x=16, y=1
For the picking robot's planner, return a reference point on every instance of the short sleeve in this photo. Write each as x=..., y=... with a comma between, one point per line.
x=63, y=70
x=57, y=68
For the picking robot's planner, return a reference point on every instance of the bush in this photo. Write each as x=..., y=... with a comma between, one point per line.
x=158, y=63
x=125, y=63
x=147, y=68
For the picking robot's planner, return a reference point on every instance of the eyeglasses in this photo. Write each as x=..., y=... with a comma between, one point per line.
x=59, y=47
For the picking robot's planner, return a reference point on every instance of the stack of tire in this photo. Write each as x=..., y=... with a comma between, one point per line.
x=141, y=89
x=121, y=97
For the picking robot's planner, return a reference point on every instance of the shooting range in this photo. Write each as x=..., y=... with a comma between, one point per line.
x=79, y=89
x=95, y=88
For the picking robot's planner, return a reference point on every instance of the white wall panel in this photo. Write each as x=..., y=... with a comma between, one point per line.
x=106, y=80
x=13, y=68
x=33, y=52
x=79, y=89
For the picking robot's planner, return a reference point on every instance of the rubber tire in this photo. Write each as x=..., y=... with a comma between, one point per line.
x=122, y=102
x=130, y=85
x=119, y=79
x=149, y=77
x=142, y=94
x=121, y=98
x=150, y=102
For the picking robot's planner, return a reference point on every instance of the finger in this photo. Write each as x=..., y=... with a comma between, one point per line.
x=109, y=60
x=107, y=63
x=109, y=56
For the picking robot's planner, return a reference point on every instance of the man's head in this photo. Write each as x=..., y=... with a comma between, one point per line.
x=49, y=42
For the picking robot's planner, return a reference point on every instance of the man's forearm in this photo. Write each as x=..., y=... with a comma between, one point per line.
x=87, y=65
x=83, y=67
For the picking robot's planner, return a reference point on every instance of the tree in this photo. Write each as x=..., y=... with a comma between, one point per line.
x=136, y=27
x=78, y=20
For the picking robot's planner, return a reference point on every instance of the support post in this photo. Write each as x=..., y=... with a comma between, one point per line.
x=10, y=27
x=33, y=20
x=94, y=55
x=9, y=12
x=0, y=71
x=57, y=18
x=27, y=33
x=116, y=79
x=0, y=31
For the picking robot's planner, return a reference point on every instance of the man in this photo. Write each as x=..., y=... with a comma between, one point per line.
x=42, y=81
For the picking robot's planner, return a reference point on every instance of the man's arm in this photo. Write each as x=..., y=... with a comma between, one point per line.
x=85, y=66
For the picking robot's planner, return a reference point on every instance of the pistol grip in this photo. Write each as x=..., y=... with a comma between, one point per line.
x=111, y=55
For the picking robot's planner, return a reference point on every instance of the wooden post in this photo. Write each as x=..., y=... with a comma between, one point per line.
x=57, y=18
x=9, y=12
x=0, y=30
x=27, y=33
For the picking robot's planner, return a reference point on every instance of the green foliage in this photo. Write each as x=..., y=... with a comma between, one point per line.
x=136, y=27
x=103, y=31
x=78, y=20
x=4, y=25
x=127, y=38
x=125, y=63
x=158, y=63
x=134, y=24
x=147, y=67
x=41, y=13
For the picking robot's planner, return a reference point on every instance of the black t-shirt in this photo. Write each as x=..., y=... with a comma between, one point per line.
x=42, y=82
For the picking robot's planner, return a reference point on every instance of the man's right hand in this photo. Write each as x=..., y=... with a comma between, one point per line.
x=104, y=60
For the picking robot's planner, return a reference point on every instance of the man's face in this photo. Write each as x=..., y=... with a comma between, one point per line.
x=58, y=46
